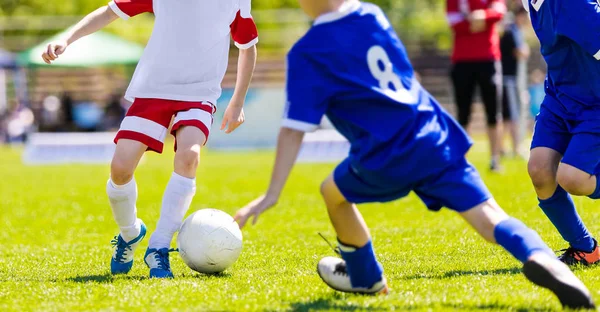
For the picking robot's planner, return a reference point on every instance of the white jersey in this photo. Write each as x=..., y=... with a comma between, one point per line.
x=186, y=57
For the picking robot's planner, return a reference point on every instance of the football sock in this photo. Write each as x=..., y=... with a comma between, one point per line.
x=176, y=201
x=596, y=194
x=561, y=211
x=361, y=264
x=122, y=201
x=519, y=240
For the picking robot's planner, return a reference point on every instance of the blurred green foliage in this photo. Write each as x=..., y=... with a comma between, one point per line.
x=418, y=21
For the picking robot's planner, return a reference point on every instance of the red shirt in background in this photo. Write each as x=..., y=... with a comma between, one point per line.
x=468, y=46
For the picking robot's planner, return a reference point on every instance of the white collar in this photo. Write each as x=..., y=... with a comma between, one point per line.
x=344, y=10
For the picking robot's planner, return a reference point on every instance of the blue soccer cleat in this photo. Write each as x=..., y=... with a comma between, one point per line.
x=122, y=259
x=158, y=262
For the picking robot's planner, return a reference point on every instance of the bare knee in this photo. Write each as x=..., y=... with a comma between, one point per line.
x=121, y=171
x=541, y=174
x=575, y=181
x=187, y=161
x=331, y=194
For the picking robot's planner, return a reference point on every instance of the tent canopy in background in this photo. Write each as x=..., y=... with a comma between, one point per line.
x=97, y=49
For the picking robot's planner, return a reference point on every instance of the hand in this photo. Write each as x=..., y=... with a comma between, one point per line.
x=233, y=117
x=477, y=21
x=53, y=50
x=254, y=208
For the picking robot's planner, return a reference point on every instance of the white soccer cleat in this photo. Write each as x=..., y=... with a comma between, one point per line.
x=333, y=272
x=548, y=272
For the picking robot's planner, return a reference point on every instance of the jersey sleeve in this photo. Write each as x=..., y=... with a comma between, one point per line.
x=129, y=8
x=456, y=18
x=495, y=12
x=579, y=20
x=307, y=95
x=243, y=28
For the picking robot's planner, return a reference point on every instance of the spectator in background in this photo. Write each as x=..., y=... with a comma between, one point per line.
x=114, y=113
x=515, y=52
x=476, y=61
x=67, y=108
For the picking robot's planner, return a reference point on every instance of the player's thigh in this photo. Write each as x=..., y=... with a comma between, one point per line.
x=331, y=193
x=458, y=187
x=192, y=126
x=366, y=188
x=580, y=164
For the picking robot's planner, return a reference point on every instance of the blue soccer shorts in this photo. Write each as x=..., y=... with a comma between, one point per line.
x=458, y=187
x=577, y=141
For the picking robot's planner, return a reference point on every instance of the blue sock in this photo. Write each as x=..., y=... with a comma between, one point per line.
x=361, y=264
x=596, y=194
x=560, y=209
x=519, y=240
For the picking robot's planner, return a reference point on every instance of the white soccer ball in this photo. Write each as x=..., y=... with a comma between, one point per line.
x=209, y=241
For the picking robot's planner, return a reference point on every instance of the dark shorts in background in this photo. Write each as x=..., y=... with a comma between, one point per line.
x=466, y=76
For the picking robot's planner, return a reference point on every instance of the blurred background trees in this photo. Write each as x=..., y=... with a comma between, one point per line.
x=418, y=21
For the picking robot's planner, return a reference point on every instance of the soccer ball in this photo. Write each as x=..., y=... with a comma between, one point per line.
x=209, y=241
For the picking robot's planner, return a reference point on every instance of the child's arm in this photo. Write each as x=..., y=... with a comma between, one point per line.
x=288, y=145
x=88, y=25
x=234, y=114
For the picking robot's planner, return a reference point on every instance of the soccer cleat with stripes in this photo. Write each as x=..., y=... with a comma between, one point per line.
x=548, y=272
x=122, y=258
x=158, y=262
x=333, y=272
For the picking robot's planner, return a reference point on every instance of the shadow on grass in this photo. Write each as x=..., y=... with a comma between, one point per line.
x=103, y=278
x=456, y=273
x=493, y=306
x=206, y=275
x=336, y=302
x=331, y=304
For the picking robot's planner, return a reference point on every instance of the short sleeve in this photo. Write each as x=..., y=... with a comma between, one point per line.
x=579, y=20
x=130, y=8
x=307, y=95
x=243, y=30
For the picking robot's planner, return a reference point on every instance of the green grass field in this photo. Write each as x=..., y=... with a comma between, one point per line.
x=56, y=227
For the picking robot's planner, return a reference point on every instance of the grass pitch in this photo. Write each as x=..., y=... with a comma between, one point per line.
x=56, y=228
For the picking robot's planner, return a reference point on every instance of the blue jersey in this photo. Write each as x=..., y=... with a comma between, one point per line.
x=352, y=67
x=568, y=32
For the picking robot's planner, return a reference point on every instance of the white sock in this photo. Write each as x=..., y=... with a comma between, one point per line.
x=176, y=201
x=122, y=201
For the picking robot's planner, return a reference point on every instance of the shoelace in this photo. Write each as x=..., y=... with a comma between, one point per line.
x=162, y=258
x=571, y=253
x=121, y=246
x=335, y=249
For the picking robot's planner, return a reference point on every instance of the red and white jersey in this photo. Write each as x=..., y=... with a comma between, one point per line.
x=187, y=54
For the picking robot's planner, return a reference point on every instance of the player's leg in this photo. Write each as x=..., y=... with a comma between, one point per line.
x=550, y=141
x=461, y=189
x=539, y=264
x=490, y=83
x=122, y=194
x=463, y=83
x=191, y=131
x=578, y=175
x=359, y=270
x=511, y=112
x=144, y=127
